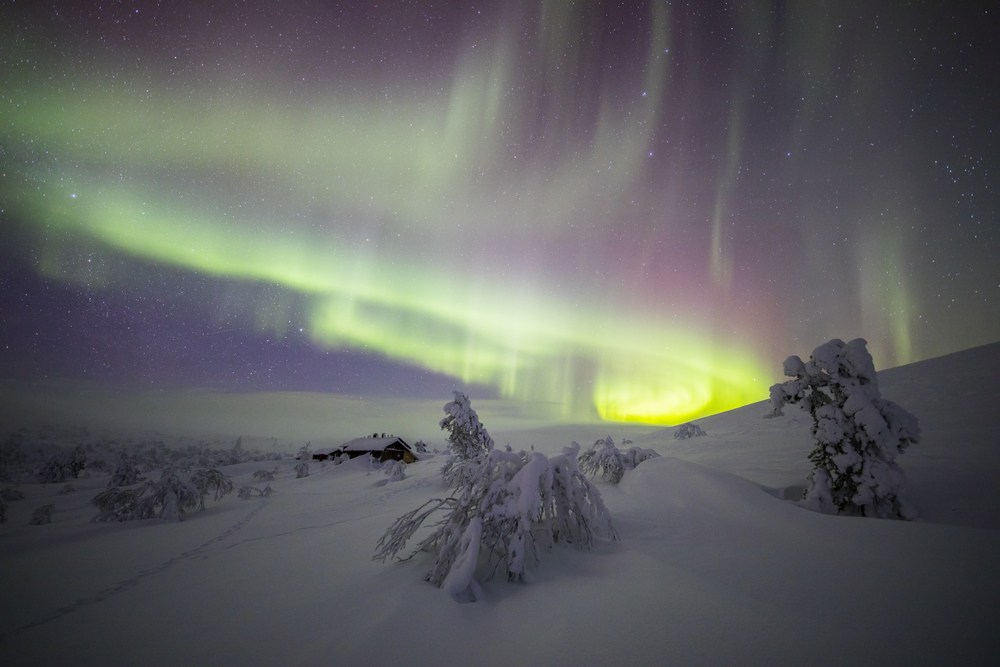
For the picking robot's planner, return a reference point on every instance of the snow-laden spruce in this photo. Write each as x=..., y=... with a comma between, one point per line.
x=468, y=439
x=688, y=430
x=505, y=509
x=858, y=433
x=605, y=458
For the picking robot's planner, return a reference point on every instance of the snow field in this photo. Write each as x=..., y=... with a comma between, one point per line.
x=714, y=566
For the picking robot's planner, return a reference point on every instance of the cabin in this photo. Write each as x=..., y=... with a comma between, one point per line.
x=381, y=446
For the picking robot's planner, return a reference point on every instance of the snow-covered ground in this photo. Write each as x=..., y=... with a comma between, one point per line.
x=714, y=565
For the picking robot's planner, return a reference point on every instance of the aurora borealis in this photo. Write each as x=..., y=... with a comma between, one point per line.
x=624, y=211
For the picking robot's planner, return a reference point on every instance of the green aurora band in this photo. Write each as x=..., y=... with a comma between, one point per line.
x=160, y=177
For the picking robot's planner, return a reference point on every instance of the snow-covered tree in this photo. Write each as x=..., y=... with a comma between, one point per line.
x=172, y=496
x=467, y=437
x=265, y=475
x=468, y=440
x=168, y=498
x=420, y=447
x=305, y=452
x=606, y=459
x=126, y=472
x=119, y=504
x=211, y=481
x=236, y=454
x=858, y=433
x=633, y=456
x=42, y=515
x=301, y=469
x=509, y=507
x=603, y=458
x=62, y=466
x=54, y=471
x=77, y=461
x=688, y=430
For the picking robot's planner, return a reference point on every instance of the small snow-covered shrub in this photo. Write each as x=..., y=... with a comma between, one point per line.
x=633, y=456
x=858, y=433
x=606, y=459
x=66, y=490
x=301, y=470
x=42, y=515
x=12, y=494
x=265, y=475
x=688, y=430
x=248, y=492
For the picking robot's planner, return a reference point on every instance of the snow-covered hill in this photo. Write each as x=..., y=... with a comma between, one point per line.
x=714, y=565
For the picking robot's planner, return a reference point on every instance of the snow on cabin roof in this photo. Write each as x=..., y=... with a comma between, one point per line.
x=370, y=443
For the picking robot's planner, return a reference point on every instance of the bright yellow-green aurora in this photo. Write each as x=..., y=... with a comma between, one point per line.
x=610, y=216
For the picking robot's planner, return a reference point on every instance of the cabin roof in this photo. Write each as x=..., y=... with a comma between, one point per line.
x=373, y=443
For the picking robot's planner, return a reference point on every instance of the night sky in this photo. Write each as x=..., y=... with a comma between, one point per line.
x=629, y=211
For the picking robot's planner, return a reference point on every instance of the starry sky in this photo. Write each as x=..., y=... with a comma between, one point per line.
x=624, y=211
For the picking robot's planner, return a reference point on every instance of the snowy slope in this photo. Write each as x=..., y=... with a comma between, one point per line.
x=713, y=566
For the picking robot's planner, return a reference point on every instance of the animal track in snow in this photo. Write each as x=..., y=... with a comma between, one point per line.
x=132, y=582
